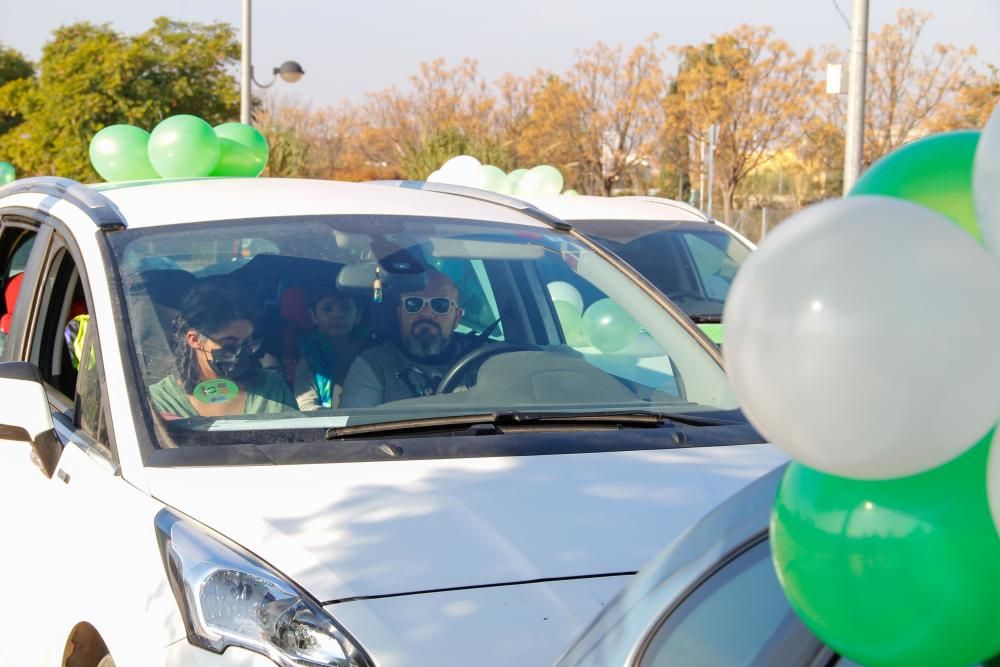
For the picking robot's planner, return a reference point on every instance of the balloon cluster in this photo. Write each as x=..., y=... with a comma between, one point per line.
x=178, y=147
x=7, y=173
x=468, y=171
x=604, y=324
x=863, y=338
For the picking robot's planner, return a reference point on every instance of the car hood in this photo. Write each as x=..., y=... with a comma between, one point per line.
x=347, y=530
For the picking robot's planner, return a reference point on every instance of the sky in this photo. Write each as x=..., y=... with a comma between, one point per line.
x=350, y=49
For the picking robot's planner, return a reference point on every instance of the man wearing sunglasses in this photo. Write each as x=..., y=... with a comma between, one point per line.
x=426, y=349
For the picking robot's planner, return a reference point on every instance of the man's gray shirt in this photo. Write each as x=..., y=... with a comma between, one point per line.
x=385, y=373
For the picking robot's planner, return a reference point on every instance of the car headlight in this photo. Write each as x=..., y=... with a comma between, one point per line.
x=229, y=597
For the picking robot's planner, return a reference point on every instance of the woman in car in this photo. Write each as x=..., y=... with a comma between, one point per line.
x=218, y=373
x=328, y=350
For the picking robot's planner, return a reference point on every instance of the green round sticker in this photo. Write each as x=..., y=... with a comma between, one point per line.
x=216, y=390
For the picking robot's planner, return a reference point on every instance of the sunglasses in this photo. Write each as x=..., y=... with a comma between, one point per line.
x=233, y=347
x=439, y=304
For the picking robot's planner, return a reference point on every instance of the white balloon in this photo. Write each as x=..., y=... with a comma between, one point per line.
x=560, y=290
x=986, y=182
x=460, y=164
x=863, y=338
x=435, y=177
x=463, y=170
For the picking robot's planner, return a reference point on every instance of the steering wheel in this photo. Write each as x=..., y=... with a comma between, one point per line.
x=478, y=355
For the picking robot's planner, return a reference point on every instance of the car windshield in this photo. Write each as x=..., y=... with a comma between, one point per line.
x=316, y=322
x=692, y=263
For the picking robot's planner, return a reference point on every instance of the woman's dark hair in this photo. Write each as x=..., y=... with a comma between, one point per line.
x=208, y=308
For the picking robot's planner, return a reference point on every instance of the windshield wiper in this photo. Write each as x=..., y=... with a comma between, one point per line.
x=706, y=319
x=493, y=422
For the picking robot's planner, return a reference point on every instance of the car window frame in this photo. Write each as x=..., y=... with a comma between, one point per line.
x=54, y=235
x=822, y=655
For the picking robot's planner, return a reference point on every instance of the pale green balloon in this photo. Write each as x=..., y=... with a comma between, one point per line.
x=494, y=178
x=7, y=173
x=119, y=153
x=608, y=327
x=571, y=193
x=183, y=147
x=571, y=323
x=541, y=180
x=242, y=150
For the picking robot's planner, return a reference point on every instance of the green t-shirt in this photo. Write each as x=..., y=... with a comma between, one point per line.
x=266, y=391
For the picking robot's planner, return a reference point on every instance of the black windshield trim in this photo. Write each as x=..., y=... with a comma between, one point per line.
x=299, y=448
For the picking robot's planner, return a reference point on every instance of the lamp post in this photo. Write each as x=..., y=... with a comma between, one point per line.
x=855, y=135
x=289, y=70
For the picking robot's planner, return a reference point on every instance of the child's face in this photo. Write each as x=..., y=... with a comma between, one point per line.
x=334, y=316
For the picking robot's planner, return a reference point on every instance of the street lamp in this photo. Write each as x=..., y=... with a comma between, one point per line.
x=289, y=70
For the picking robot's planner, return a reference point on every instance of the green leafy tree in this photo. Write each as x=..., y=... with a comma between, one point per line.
x=90, y=77
x=13, y=66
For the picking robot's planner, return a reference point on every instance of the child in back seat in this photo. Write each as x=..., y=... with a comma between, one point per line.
x=326, y=352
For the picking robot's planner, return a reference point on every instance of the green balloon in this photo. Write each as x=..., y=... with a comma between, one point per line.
x=608, y=327
x=242, y=150
x=119, y=153
x=935, y=172
x=183, y=147
x=571, y=322
x=7, y=173
x=893, y=572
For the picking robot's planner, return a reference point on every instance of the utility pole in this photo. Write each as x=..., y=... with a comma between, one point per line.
x=855, y=135
x=713, y=137
x=245, y=73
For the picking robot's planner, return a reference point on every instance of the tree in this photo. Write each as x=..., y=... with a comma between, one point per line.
x=443, y=105
x=616, y=101
x=91, y=76
x=755, y=88
x=909, y=90
x=13, y=66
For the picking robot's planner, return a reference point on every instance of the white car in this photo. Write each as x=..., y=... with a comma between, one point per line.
x=687, y=255
x=481, y=526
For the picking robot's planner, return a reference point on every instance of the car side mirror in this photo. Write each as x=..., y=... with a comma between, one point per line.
x=25, y=415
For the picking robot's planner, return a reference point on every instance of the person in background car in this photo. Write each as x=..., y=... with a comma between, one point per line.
x=326, y=352
x=219, y=374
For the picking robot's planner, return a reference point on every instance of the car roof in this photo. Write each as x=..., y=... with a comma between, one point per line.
x=589, y=207
x=152, y=203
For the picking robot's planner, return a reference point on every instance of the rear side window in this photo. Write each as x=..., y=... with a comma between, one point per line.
x=15, y=247
x=738, y=617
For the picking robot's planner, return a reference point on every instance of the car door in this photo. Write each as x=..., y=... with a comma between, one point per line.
x=67, y=527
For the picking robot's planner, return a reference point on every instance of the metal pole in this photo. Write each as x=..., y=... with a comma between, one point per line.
x=701, y=175
x=713, y=135
x=245, y=75
x=855, y=137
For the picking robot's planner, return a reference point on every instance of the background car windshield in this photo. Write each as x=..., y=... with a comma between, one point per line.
x=692, y=263
x=540, y=323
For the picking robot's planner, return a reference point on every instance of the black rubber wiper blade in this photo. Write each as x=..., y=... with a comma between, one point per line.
x=630, y=418
x=706, y=319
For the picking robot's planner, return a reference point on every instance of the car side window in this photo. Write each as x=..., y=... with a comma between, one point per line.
x=16, y=243
x=737, y=617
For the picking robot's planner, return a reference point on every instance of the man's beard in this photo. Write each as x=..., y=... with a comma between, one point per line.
x=426, y=339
